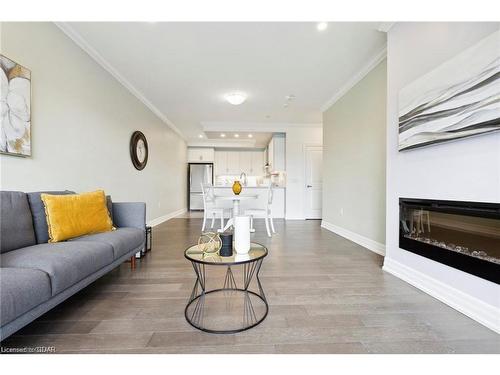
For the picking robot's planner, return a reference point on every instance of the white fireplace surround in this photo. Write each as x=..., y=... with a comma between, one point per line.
x=462, y=170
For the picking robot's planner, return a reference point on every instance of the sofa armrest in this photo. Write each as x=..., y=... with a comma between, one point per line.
x=129, y=214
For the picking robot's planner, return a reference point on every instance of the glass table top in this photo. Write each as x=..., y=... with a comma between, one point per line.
x=256, y=252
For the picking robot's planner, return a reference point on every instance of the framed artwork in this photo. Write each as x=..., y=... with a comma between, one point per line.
x=15, y=100
x=458, y=99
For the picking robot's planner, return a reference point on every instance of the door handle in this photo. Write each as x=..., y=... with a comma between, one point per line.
x=309, y=186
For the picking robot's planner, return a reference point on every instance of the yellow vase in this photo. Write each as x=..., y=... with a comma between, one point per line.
x=237, y=187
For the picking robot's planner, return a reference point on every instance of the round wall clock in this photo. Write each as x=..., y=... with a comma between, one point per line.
x=139, y=150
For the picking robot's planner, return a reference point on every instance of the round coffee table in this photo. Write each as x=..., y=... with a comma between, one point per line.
x=232, y=308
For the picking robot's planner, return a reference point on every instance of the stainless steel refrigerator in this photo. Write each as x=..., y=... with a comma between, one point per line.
x=198, y=174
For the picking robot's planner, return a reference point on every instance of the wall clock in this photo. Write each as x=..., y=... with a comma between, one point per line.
x=139, y=150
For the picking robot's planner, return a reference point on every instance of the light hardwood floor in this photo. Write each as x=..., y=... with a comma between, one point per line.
x=326, y=295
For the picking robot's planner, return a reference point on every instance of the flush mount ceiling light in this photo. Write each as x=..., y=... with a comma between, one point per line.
x=322, y=26
x=222, y=135
x=236, y=136
x=235, y=98
x=250, y=136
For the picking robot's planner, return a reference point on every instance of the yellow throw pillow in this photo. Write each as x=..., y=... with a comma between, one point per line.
x=75, y=215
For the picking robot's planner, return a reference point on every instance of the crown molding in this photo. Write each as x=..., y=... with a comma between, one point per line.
x=367, y=68
x=385, y=26
x=85, y=46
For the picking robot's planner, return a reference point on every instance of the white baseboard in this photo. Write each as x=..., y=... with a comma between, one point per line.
x=162, y=219
x=366, y=242
x=478, y=310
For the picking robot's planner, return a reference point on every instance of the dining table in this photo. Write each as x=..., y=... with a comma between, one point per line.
x=236, y=202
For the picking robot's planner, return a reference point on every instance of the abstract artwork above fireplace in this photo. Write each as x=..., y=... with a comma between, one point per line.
x=458, y=99
x=15, y=102
x=462, y=235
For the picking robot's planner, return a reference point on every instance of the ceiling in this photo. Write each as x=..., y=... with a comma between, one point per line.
x=183, y=70
x=252, y=139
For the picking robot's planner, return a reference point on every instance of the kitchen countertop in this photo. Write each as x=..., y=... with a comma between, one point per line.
x=249, y=187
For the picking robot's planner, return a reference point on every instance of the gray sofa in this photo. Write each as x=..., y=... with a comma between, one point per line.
x=36, y=275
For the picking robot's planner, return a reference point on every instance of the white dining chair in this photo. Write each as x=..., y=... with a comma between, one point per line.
x=266, y=213
x=210, y=208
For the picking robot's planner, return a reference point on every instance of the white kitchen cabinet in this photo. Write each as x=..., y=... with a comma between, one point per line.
x=246, y=162
x=220, y=163
x=236, y=162
x=279, y=153
x=270, y=155
x=201, y=155
x=257, y=163
x=276, y=153
x=233, y=162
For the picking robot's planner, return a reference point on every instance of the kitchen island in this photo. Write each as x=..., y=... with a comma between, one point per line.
x=278, y=206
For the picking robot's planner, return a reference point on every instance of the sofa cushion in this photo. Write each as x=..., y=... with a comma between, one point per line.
x=21, y=289
x=66, y=263
x=122, y=240
x=75, y=215
x=38, y=212
x=16, y=225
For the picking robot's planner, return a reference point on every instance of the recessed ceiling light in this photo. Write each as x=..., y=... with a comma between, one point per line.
x=250, y=136
x=235, y=98
x=200, y=135
x=222, y=135
x=321, y=26
x=236, y=136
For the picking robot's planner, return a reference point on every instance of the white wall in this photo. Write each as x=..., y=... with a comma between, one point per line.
x=82, y=120
x=296, y=139
x=354, y=159
x=467, y=169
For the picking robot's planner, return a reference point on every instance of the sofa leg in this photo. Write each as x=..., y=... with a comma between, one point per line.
x=132, y=262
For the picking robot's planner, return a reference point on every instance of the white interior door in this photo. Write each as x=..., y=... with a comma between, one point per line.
x=314, y=181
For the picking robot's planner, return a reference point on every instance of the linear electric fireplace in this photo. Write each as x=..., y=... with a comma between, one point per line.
x=463, y=235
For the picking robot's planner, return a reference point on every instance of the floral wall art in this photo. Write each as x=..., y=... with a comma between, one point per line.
x=15, y=100
x=458, y=99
